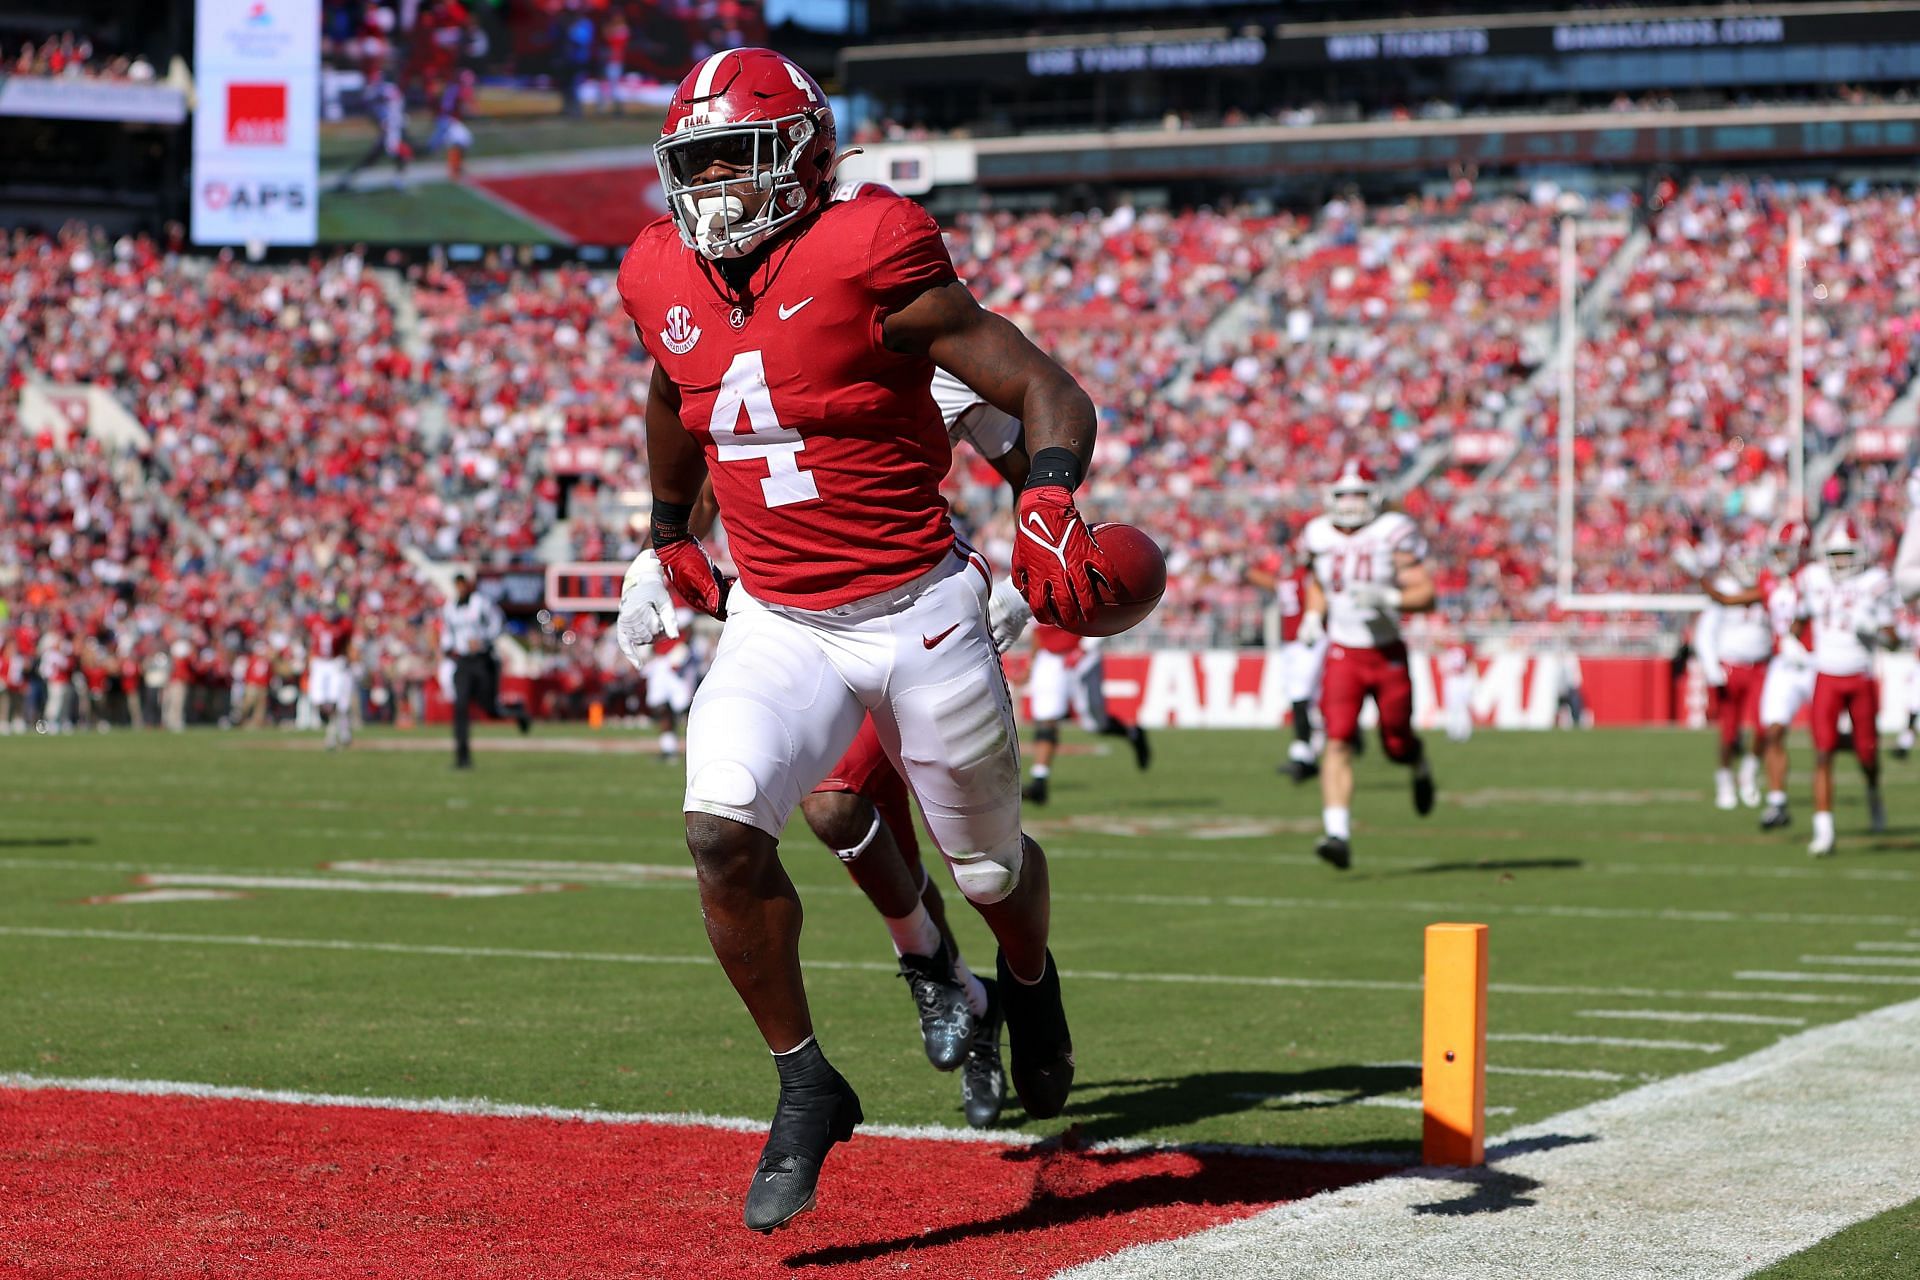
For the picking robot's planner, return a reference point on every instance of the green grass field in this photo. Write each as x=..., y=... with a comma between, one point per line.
x=1224, y=985
x=425, y=212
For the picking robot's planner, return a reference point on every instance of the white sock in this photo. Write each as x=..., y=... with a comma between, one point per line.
x=1041, y=771
x=1823, y=826
x=1339, y=822
x=1749, y=771
x=976, y=989
x=1776, y=797
x=1723, y=779
x=669, y=743
x=914, y=934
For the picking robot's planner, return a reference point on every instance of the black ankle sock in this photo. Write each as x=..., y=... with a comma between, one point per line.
x=804, y=1066
x=1302, y=723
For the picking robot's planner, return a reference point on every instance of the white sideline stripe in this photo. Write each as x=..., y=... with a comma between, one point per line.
x=862, y=966
x=1607, y=1042
x=165, y=878
x=1687, y=1015
x=671, y=876
x=1706, y=1176
x=1870, y=979
x=1548, y=1073
x=143, y=896
x=1314, y=1098
x=673, y=1119
x=1907, y=962
x=1888, y=946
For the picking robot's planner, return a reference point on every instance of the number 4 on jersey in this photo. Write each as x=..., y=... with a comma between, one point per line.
x=744, y=390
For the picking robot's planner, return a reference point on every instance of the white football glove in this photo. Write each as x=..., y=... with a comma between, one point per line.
x=1007, y=615
x=1791, y=650
x=1375, y=595
x=646, y=609
x=1711, y=672
x=1313, y=629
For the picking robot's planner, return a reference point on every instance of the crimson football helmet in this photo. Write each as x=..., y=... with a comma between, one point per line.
x=1787, y=545
x=1353, y=499
x=766, y=122
x=1842, y=547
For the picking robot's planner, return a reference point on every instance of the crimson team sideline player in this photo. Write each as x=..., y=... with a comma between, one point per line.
x=794, y=340
x=1369, y=567
x=1743, y=643
x=1850, y=603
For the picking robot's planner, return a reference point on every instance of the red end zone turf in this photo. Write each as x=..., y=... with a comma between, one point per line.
x=591, y=206
x=115, y=1185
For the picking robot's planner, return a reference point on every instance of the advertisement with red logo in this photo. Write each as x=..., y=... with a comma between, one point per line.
x=256, y=154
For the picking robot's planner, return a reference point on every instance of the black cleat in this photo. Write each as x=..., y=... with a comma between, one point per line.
x=1334, y=850
x=1301, y=770
x=1038, y=1036
x=1423, y=791
x=946, y=1020
x=1775, y=817
x=1035, y=792
x=524, y=720
x=806, y=1124
x=1142, y=749
x=983, y=1082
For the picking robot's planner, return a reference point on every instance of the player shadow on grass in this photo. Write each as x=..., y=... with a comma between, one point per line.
x=44, y=842
x=1070, y=1185
x=1491, y=1189
x=1129, y=1108
x=1483, y=864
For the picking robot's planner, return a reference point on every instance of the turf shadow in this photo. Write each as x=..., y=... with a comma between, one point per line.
x=1494, y=1190
x=1129, y=1108
x=44, y=842
x=1485, y=864
x=1075, y=1186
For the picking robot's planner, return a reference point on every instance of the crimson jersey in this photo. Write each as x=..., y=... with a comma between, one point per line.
x=1056, y=640
x=1291, y=591
x=826, y=450
x=328, y=639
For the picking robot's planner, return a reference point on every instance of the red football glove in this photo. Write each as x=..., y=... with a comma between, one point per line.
x=1055, y=558
x=693, y=577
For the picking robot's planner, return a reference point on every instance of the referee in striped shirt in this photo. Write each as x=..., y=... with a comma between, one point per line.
x=470, y=623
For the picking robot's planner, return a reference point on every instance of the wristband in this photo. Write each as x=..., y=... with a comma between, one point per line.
x=670, y=522
x=1055, y=465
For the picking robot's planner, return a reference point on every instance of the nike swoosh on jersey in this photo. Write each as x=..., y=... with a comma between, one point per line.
x=788, y=312
x=933, y=642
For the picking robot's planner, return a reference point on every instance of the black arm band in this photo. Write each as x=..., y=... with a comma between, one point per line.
x=1055, y=465
x=670, y=522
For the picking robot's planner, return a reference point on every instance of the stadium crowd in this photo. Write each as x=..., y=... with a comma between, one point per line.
x=306, y=448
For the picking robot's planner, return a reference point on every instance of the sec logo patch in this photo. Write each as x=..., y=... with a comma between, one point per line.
x=680, y=332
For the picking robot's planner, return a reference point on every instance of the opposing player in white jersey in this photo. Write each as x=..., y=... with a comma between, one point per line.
x=1788, y=683
x=1457, y=672
x=1743, y=645
x=1369, y=567
x=1850, y=603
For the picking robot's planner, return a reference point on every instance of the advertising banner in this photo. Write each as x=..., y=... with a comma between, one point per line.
x=256, y=151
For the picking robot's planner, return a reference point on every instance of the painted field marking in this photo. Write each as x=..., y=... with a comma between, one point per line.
x=1683, y=1015
x=142, y=896
x=322, y=883
x=1665, y=1180
x=1605, y=1042
x=1870, y=979
x=1888, y=946
x=671, y=1119
x=1549, y=1073
x=863, y=966
x=1889, y=961
x=1314, y=1098
x=516, y=868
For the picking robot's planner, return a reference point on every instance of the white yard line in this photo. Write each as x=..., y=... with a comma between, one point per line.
x=1316, y=1098
x=1088, y=975
x=1907, y=962
x=1604, y=1042
x=144, y=896
x=1689, y=1015
x=1708, y=1176
x=1544, y=1073
x=1888, y=946
x=327, y=884
x=1868, y=979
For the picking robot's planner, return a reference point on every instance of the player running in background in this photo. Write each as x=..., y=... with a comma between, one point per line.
x=1850, y=603
x=330, y=674
x=1743, y=645
x=1788, y=683
x=671, y=674
x=1301, y=662
x=794, y=340
x=386, y=105
x=1369, y=567
x=450, y=130
x=1068, y=677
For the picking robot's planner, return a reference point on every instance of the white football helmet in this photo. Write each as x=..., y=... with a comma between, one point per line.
x=1353, y=499
x=1842, y=547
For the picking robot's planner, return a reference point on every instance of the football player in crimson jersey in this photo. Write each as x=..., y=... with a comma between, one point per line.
x=794, y=340
x=329, y=675
x=1743, y=648
x=1369, y=567
x=1281, y=573
x=1850, y=604
x=1069, y=677
x=1788, y=683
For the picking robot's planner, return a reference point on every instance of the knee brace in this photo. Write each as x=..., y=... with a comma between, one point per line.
x=866, y=842
x=1047, y=733
x=986, y=878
